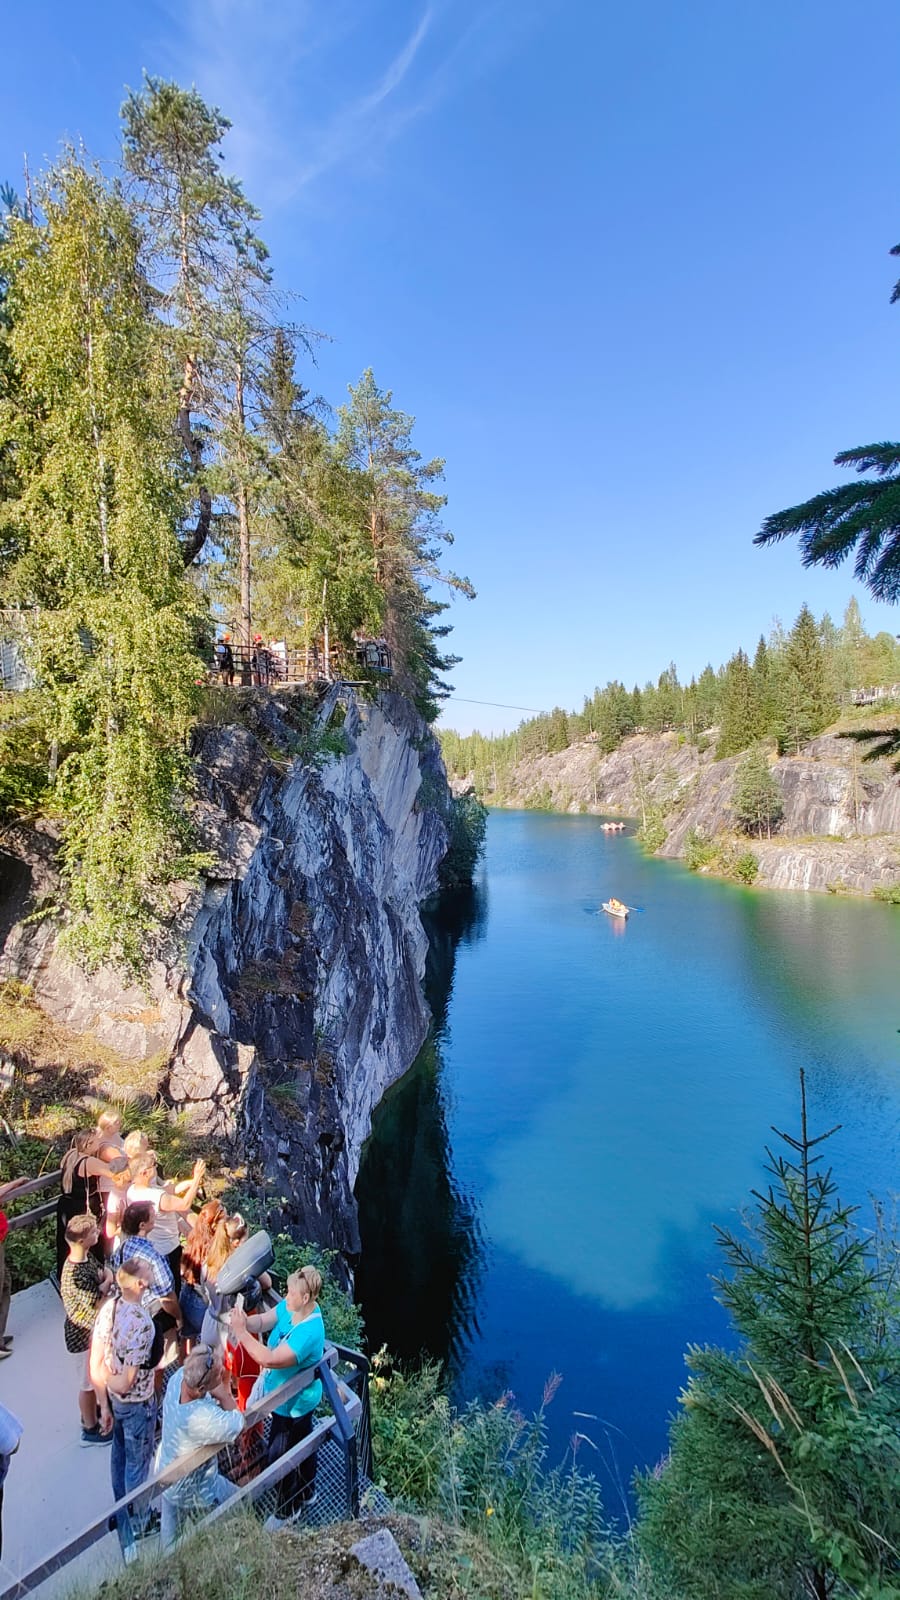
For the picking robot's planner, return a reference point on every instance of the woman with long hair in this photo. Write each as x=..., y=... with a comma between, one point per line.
x=82, y=1170
x=206, y=1235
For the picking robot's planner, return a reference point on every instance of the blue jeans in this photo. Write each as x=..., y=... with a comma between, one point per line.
x=134, y=1432
x=173, y=1518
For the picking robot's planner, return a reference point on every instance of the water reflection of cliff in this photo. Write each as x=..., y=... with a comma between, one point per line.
x=421, y=1254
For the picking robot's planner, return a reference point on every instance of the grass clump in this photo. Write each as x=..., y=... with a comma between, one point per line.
x=483, y=1471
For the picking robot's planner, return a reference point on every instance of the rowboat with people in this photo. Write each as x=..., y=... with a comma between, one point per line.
x=615, y=908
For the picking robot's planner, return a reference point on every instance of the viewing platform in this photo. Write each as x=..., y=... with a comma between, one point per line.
x=57, y=1498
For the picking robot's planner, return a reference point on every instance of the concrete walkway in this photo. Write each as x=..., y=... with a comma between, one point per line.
x=55, y=1486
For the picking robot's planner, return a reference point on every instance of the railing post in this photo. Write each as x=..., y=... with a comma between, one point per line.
x=347, y=1434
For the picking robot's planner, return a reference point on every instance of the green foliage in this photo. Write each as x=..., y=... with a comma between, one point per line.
x=398, y=520
x=484, y=1469
x=540, y=799
x=756, y=800
x=652, y=833
x=745, y=867
x=467, y=825
x=888, y=893
x=783, y=1472
x=30, y=1252
x=699, y=852
x=861, y=516
x=741, y=722
x=803, y=703
x=24, y=755
x=111, y=622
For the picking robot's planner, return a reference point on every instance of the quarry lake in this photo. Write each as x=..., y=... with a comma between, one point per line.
x=539, y=1192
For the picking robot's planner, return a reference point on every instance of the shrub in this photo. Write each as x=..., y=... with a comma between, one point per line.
x=652, y=833
x=698, y=851
x=745, y=867
x=888, y=893
x=466, y=824
x=484, y=1469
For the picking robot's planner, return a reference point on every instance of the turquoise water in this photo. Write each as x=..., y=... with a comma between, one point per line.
x=539, y=1193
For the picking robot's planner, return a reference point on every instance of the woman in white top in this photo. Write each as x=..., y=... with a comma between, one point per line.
x=112, y=1148
x=170, y=1207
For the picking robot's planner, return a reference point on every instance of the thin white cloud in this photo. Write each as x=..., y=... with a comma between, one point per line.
x=354, y=125
x=279, y=71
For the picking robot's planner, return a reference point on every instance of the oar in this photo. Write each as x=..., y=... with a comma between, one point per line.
x=633, y=908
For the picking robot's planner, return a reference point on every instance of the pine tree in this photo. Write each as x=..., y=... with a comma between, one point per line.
x=757, y=800
x=782, y=1478
x=199, y=229
x=400, y=515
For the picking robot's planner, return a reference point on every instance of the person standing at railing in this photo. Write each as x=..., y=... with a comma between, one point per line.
x=121, y=1351
x=7, y=1190
x=199, y=1409
x=82, y=1288
x=111, y=1147
x=296, y=1342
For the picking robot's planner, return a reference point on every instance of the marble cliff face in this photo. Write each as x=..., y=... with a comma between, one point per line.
x=294, y=999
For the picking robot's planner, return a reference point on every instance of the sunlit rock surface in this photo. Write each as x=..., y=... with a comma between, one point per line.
x=841, y=822
x=295, y=999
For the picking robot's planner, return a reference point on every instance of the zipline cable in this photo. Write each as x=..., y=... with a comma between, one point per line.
x=499, y=704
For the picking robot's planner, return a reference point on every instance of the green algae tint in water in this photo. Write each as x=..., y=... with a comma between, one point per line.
x=539, y=1193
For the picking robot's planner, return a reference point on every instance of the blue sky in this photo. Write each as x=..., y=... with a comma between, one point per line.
x=628, y=266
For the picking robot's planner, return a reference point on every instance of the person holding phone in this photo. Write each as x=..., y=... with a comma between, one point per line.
x=296, y=1342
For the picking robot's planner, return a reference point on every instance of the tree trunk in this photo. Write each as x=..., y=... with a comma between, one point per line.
x=244, y=537
x=243, y=518
x=193, y=543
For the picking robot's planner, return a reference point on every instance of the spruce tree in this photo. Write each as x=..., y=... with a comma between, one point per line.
x=400, y=515
x=740, y=714
x=757, y=800
x=707, y=701
x=782, y=1481
x=804, y=704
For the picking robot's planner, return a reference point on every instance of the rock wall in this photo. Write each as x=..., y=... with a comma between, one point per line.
x=841, y=823
x=294, y=998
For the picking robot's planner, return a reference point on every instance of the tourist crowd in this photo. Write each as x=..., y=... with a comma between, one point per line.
x=164, y=1362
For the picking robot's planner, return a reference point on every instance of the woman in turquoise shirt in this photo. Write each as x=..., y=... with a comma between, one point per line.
x=296, y=1342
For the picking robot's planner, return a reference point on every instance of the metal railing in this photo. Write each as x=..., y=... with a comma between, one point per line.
x=28, y=1219
x=346, y=1408
x=349, y=1426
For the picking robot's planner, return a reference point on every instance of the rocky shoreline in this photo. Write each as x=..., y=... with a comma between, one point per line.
x=840, y=832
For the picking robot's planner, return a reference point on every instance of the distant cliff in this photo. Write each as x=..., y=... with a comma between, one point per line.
x=293, y=997
x=841, y=824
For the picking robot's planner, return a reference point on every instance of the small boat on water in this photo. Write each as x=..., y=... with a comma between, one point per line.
x=615, y=908
x=612, y=827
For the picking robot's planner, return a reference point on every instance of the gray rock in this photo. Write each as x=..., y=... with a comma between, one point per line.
x=381, y=1555
x=295, y=968
x=841, y=822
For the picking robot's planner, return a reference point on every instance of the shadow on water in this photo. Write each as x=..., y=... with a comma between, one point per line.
x=421, y=1259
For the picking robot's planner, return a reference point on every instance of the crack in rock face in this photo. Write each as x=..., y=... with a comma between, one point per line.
x=288, y=997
